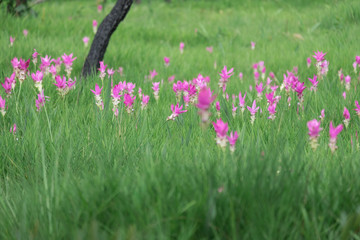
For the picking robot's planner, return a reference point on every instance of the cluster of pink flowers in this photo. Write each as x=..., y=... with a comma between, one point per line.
x=176, y=111
x=68, y=61
x=225, y=75
x=221, y=130
x=322, y=65
x=9, y=84
x=187, y=89
x=205, y=99
x=63, y=86
x=20, y=67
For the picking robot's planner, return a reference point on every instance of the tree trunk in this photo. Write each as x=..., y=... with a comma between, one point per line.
x=103, y=34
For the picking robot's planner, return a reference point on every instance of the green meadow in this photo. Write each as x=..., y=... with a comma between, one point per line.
x=74, y=171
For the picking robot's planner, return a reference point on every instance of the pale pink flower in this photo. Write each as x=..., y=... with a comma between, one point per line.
x=322, y=114
x=129, y=101
x=272, y=111
x=68, y=62
x=225, y=75
x=144, y=101
x=120, y=71
x=319, y=56
x=308, y=62
x=176, y=111
x=9, y=84
x=241, y=76
x=314, y=83
x=182, y=45
x=252, y=45
x=334, y=132
x=355, y=67
x=347, y=82
x=25, y=32
x=344, y=95
x=45, y=64
x=314, y=130
x=346, y=115
x=209, y=49
x=242, y=102
x=12, y=41
x=357, y=109
x=86, y=41
x=110, y=72
x=98, y=99
x=153, y=73
x=253, y=111
x=40, y=101
x=99, y=8
x=234, y=110
x=94, y=24
x=37, y=78
x=156, y=89
x=205, y=98
x=102, y=70
x=166, y=61
x=171, y=78
x=2, y=106
x=259, y=89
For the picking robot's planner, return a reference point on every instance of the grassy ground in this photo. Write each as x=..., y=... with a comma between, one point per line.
x=140, y=177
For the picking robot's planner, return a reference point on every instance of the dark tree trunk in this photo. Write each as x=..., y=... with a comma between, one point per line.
x=103, y=34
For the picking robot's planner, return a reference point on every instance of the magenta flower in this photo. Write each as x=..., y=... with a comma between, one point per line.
x=314, y=83
x=9, y=83
x=205, y=98
x=232, y=140
x=241, y=76
x=272, y=111
x=68, y=60
x=314, y=130
x=176, y=111
x=347, y=82
x=253, y=111
x=129, y=101
x=308, y=62
x=209, y=49
x=234, y=110
x=167, y=61
x=344, y=95
x=13, y=129
x=153, y=73
x=357, y=59
x=259, y=88
x=322, y=114
x=242, y=102
x=319, y=56
x=334, y=132
x=221, y=130
x=86, y=41
x=225, y=75
x=182, y=45
x=94, y=24
x=156, y=90
x=99, y=8
x=252, y=45
x=171, y=78
x=110, y=72
x=40, y=101
x=217, y=106
x=357, y=109
x=25, y=32
x=144, y=101
x=45, y=64
x=2, y=106
x=37, y=78
x=346, y=115
x=97, y=90
x=12, y=41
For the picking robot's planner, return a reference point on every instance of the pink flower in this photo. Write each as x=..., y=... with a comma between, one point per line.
x=13, y=129
x=171, y=78
x=221, y=130
x=99, y=8
x=94, y=24
x=25, y=32
x=86, y=40
x=314, y=83
x=45, y=64
x=68, y=60
x=205, y=98
x=129, y=101
x=40, y=101
x=102, y=67
x=217, y=106
x=225, y=75
x=334, y=131
x=308, y=62
x=322, y=114
x=344, y=95
x=259, y=88
x=314, y=128
x=2, y=106
x=357, y=59
x=357, y=109
x=209, y=49
x=182, y=45
x=232, y=140
x=12, y=41
x=253, y=110
x=120, y=71
x=37, y=78
x=234, y=110
x=15, y=63
x=270, y=97
x=346, y=113
x=252, y=45
x=156, y=86
x=319, y=56
x=176, y=111
x=299, y=89
x=241, y=76
x=97, y=90
x=110, y=72
x=272, y=111
x=153, y=73
x=167, y=61
x=144, y=101
x=242, y=100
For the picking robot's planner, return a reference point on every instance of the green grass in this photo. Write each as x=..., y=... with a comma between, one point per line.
x=140, y=177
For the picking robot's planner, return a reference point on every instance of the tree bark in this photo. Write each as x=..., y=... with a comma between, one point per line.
x=103, y=34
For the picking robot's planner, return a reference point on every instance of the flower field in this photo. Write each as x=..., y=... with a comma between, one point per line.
x=205, y=120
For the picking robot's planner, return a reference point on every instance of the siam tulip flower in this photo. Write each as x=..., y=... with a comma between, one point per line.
x=347, y=82
x=176, y=111
x=232, y=140
x=94, y=24
x=182, y=45
x=334, y=132
x=205, y=98
x=319, y=56
x=308, y=62
x=272, y=75
x=25, y=32
x=270, y=97
x=344, y=95
x=299, y=90
x=2, y=106
x=233, y=110
x=68, y=61
x=289, y=101
x=23, y=70
x=272, y=111
x=252, y=45
x=129, y=101
x=259, y=89
x=102, y=70
x=156, y=90
x=140, y=93
x=256, y=77
x=263, y=71
x=166, y=61
x=217, y=106
x=227, y=97
x=121, y=71
x=355, y=67
x=34, y=57
x=9, y=84
x=253, y=111
x=53, y=71
x=63, y=86
x=130, y=88
x=357, y=59
x=144, y=101
x=324, y=68
x=45, y=65
x=40, y=101
x=314, y=130
x=314, y=83
x=241, y=76
x=268, y=83
x=171, y=78
x=274, y=88
x=153, y=73
x=38, y=77
x=250, y=88
x=209, y=49
x=98, y=99
x=99, y=8
x=15, y=64
x=242, y=102
x=221, y=130
x=346, y=115
x=357, y=109
x=12, y=41
x=13, y=129
x=86, y=41
x=233, y=99
x=225, y=75
x=322, y=115
x=341, y=75
x=116, y=98
x=57, y=62
x=110, y=72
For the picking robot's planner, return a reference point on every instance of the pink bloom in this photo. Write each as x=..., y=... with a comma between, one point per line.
x=241, y=76
x=319, y=56
x=128, y=100
x=95, y=23
x=259, y=88
x=344, y=95
x=25, y=32
x=357, y=109
x=37, y=78
x=99, y=8
x=156, y=86
x=40, y=101
x=314, y=83
x=61, y=83
x=221, y=130
x=167, y=61
x=334, y=132
x=232, y=140
x=120, y=71
x=209, y=49
x=314, y=128
x=2, y=106
x=253, y=109
x=182, y=45
x=308, y=62
x=234, y=110
x=272, y=111
x=7, y=87
x=347, y=79
x=45, y=64
x=270, y=97
x=53, y=70
x=97, y=90
x=355, y=67
x=176, y=111
x=68, y=60
x=217, y=106
x=346, y=113
x=299, y=89
x=171, y=78
x=13, y=129
x=102, y=67
x=205, y=98
x=322, y=114
x=15, y=63
x=153, y=73
x=12, y=41
x=86, y=40
x=242, y=100
x=144, y=101
x=357, y=59
x=252, y=45
x=225, y=75
x=272, y=75
x=110, y=72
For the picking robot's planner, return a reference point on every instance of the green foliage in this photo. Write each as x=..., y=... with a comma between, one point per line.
x=140, y=177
